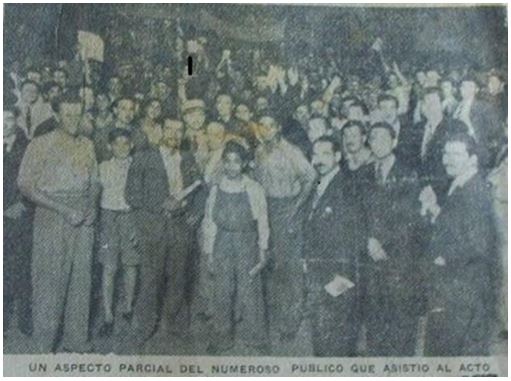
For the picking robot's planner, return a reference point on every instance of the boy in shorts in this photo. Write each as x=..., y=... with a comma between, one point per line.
x=118, y=241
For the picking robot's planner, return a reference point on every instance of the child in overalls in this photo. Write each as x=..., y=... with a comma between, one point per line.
x=236, y=240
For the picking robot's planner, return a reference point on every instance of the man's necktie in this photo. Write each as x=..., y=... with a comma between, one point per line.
x=380, y=177
x=28, y=121
x=428, y=134
x=315, y=199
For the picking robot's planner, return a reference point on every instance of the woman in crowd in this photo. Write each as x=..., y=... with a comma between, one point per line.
x=236, y=234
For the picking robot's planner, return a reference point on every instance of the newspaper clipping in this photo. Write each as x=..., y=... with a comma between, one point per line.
x=254, y=190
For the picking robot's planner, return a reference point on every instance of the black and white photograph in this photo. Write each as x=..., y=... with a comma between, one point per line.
x=286, y=183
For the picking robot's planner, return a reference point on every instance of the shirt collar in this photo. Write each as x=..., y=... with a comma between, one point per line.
x=386, y=163
x=356, y=160
x=326, y=179
x=435, y=125
x=462, y=179
x=125, y=161
x=9, y=142
x=167, y=151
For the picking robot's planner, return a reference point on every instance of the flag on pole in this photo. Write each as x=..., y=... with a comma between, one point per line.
x=91, y=46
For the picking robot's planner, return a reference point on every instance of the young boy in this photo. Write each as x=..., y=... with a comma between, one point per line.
x=117, y=230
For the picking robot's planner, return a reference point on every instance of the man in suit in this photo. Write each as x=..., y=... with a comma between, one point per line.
x=335, y=239
x=295, y=129
x=35, y=117
x=388, y=111
x=388, y=106
x=462, y=257
x=162, y=189
x=393, y=274
x=482, y=121
x=18, y=216
x=357, y=154
x=425, y=147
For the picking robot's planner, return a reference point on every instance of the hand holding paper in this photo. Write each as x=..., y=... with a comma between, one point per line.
x=338, y=286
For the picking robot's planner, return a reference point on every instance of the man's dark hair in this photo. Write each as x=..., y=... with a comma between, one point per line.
x=62, y=70
x=385, y=126
x=336, y=147
x=32, y=69
x=115, y=103
x=349, y=98
x=388, y=97
x=49, y=85
x=472, y=78
x=66, y=98
x=148, y=102
x=234, y=147
x=361, y=105
x=432, y=90
x=354, y=124
x=117, y=133
x=458, y=132
x=30, y=82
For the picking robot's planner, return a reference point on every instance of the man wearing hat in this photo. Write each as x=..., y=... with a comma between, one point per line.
x=194, y=117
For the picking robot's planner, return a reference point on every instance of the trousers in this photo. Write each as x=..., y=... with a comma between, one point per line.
x=61, y=278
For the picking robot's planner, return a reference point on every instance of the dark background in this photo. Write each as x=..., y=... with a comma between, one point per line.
x=471, y=35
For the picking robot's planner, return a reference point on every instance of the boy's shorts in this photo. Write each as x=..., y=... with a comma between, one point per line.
x=118, y=239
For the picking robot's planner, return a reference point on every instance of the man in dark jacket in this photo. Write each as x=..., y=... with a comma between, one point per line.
x=163, y=188
x=392, y=300
x=18, y=215
x=335, y=239
x=482, y=121
x=426, y=145
x=463, y=258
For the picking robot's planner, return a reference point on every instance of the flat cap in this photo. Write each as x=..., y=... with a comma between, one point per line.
x=193, y=104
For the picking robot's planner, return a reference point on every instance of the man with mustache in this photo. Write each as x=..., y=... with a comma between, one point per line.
x=354, y=139
x=462, y=257
x=158, y=180
x=334, y=236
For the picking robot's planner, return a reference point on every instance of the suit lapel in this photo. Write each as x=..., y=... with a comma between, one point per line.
x=394, y=173
x=160, y=167
x=333, y=189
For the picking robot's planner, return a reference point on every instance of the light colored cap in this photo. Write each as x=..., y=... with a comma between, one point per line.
x=193, y=104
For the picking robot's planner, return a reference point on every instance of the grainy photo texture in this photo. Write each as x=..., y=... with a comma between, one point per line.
x=254, y=182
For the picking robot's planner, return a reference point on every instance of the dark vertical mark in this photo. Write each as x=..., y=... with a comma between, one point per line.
x=190, y=65
x=57, y=31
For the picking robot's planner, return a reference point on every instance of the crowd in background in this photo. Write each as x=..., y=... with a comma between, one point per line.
x=234, y=195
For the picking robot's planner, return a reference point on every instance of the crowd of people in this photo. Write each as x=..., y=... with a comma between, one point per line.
x=252, y=195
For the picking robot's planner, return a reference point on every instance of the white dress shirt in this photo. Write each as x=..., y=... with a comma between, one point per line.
x=113, y=175
x=172, y=162
x=324, y=182
x=462, y=179
x=385, y=165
